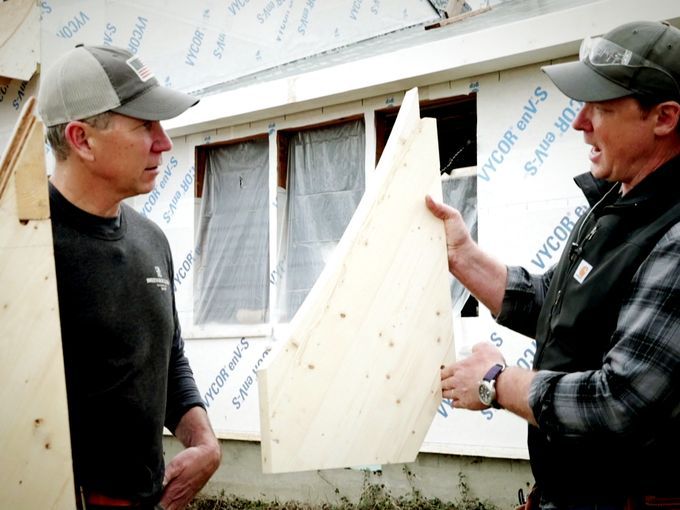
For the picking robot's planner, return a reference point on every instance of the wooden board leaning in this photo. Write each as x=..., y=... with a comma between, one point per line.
x=34, y=433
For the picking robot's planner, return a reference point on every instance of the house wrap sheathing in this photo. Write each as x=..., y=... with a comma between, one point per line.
x=262, y=179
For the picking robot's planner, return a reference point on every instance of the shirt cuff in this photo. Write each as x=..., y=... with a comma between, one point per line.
x=541, y=394
x=519, y=308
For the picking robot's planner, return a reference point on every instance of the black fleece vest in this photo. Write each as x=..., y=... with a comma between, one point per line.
x=575, y=327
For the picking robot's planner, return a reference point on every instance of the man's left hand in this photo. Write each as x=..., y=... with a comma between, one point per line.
x=190, y=470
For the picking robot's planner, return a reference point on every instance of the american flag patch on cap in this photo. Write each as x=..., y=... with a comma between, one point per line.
x=140, y=68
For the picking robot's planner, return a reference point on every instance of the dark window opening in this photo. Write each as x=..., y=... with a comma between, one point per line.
x=457, y=138
x=456, y=130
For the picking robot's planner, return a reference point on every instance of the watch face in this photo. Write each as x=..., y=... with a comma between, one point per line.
x=487, y=393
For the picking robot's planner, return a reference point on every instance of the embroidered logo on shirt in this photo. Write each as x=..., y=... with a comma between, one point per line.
x=159, y=281
x=582, y=271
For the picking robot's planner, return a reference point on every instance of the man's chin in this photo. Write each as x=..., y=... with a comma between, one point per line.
x=145, y=188
x=598, y=172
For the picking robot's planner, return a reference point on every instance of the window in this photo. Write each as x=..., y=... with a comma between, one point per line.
x=321, y=181
x=231, y=269
x=457, y=137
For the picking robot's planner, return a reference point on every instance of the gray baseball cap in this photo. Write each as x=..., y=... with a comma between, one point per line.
x=89, y=80
x=640, y=58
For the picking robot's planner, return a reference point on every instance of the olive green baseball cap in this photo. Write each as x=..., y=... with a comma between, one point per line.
x=89, y=80
x=640, y=58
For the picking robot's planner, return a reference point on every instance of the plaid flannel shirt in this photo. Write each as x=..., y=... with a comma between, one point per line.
x=640, y=374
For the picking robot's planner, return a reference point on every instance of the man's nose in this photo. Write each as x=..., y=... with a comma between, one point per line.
x=582, y=120
x=162, y=142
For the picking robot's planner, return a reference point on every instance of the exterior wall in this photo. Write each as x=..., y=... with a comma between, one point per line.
x=525, y=191
x=489, y=480
x=527, y=157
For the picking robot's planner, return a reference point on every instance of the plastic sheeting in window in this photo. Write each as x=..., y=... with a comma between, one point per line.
x=324, y=186
x=231, y=280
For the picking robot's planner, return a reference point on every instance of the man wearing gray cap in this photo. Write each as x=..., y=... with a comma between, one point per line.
x=603, y=398
x=126, y=373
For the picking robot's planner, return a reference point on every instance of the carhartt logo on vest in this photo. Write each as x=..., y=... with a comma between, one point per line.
x=582, y=271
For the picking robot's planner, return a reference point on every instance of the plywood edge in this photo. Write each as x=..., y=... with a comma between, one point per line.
x=24, y=157
x=21, y=132
x=406, y=123
x=31, y=177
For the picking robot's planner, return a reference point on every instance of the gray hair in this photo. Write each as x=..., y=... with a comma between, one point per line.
x=56, y=136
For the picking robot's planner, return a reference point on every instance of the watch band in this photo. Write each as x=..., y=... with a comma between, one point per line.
x=489, y=381
x=494, y=372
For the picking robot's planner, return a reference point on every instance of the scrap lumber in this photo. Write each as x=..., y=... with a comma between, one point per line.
x=34, y=434
x=357, y=379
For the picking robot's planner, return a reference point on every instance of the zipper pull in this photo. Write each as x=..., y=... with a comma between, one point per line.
x=590, y=234
x=557, y=300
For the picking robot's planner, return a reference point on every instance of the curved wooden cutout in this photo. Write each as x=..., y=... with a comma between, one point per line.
x=357, y=381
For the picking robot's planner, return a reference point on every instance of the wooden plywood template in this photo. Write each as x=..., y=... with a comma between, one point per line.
x=357, y=380
x=34, y=435
x=19, y=39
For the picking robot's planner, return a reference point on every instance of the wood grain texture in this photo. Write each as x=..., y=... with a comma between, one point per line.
x=34, y=435
x=357, y=380
x=19, y=39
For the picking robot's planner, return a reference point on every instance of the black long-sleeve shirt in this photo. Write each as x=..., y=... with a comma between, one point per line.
x=126, y=372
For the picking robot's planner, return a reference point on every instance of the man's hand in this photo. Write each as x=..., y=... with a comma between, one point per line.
x=190, y=470
x=481, y=274
x=185, y=475
x=460, y=381
x=457, y=233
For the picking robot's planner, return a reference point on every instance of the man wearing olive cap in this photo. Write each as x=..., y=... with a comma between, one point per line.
x=126, y=373
x=603, y=399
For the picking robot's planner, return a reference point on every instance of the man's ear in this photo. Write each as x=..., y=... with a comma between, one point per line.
x=77, y=136
x=667, y=118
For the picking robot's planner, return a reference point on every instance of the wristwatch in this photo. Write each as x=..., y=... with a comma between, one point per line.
x=487, y=386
